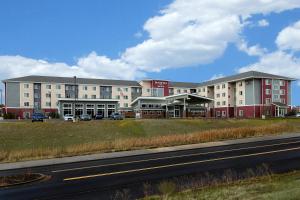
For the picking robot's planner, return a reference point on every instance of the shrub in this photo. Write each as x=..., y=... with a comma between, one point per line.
x=10, y=116
x=166, y=188
x=54, y=115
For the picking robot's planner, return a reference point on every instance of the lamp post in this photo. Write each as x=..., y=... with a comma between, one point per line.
x=1, y=97
x=75, y=96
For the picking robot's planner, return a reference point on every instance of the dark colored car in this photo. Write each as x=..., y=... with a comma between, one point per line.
x=99, y=117
x=116, y=116
x=85, y=118
x=37, y=117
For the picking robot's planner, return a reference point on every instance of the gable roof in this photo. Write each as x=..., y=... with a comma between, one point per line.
x=183, y=84
x=245, y=75
x=70, y=80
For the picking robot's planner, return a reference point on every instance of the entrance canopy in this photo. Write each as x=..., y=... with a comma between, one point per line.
x=181, y=99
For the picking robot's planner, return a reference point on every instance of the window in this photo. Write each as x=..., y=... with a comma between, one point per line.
x=93, y=96
x=224, y=94
x=126, y=105
x=119, y=89
x=276, y=96
x=85, y=96
x=218, y=87
x=48, y=95
x=48, y=104
x=241, y=102
x=223, y=86
x=241, y=113
x=218, y=95
x=224, y=103
x=178, y=91
x=282, y=101
x=268, y=82
x=58, y=87
x=282, y=83
x=185, y=91
x=218, y=103
x=48, y=87
x=125, y=97
x=218, y=113
x=241, y=92
x=148, y=90
x=94, y=88
x=26, y=95
x=84, y=87
x=126, y=89
x=26, y=104
x=58, y=95
x=268, y=91
x=26, y=85
x=275, y=87
x=118, y=97
x=282, y=92
x=268, y=101
x=203, y=89
x=199, y=90
x=241, y=84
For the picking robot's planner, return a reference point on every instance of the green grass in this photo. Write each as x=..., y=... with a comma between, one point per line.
x=276, y=187
x=26, y=140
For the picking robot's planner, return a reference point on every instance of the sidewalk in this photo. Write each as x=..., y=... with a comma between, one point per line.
x=37, y=163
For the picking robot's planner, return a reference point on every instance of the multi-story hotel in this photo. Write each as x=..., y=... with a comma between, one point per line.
x=250, y=94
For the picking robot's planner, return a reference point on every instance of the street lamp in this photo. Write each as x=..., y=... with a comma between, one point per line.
x=75, y=96
x=1, y=97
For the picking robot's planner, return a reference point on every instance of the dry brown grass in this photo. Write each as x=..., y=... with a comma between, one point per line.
x=151, y=142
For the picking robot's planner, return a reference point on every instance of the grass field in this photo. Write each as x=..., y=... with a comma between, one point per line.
x=26, y=140
x=275, y=187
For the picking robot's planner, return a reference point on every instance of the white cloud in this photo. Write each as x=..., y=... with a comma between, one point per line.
x=195, y=32
x=185, y=33
x=278, y=62
x=91, y=66
x=138, y=34
x=263, y=23
x=216, y=76
x=289, y=38
x=254, y=50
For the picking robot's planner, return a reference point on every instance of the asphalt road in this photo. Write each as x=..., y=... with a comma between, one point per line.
x=102, y=178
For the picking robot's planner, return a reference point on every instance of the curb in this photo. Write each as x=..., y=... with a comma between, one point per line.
x=42, y=176
x=99, y=156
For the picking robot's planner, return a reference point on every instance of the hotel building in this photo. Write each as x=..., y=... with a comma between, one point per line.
x=246, y=95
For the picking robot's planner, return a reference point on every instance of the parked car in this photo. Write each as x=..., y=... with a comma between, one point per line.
x=37, y=117
x=116, y=116
x=68, y=117
x=98, y=116
x=298, y=115
x=85, y=117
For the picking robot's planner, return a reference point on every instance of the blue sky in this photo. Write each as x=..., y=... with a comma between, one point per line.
x=164, y=39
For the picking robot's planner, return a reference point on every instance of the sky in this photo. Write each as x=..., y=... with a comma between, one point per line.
x=179, y=40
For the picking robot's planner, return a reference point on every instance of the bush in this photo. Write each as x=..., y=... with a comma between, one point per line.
x=10, y=116
x=166, y=188
x=54, y=115
x=291, y=113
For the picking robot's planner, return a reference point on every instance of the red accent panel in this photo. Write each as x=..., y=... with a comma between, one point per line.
x=161, y=84
x=19, y=111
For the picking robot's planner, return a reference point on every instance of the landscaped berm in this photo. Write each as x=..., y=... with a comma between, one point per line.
x=26, y=140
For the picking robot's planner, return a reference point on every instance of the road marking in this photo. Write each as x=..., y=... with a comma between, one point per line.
x=178, y=164
x=170, y=157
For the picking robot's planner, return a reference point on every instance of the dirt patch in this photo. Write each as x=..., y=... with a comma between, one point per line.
x=19, y=179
